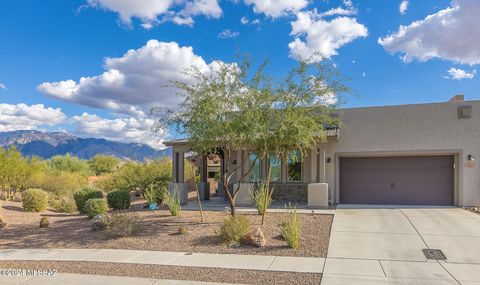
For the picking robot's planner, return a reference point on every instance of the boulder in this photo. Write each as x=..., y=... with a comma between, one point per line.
x=255, y=237
x=99, y=222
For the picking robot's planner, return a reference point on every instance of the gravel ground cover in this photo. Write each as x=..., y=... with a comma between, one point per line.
x=169, y=272
x=158, y=231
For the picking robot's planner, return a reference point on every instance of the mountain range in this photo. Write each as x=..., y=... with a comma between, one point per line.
x=48, y=144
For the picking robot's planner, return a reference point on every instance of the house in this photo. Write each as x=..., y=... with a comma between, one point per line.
x=418, y=154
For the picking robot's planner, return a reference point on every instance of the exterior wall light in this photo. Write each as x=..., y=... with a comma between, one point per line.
x=329, y=159
x=470, y=157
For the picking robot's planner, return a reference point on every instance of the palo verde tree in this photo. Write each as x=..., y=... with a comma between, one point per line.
x=234, y=107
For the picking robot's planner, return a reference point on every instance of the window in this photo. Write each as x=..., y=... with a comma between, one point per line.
x=275, y=165
x=294, y=166
x=256, y=174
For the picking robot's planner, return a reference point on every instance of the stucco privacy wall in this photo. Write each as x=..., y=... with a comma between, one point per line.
x=411, y=130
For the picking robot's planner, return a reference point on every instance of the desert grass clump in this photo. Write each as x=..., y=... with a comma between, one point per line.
x=291, y=227
x=34, y=200
x=173, y=202
x=122, y=225
x=63, y=205
x=95, y=206
x=233, y=229
x=262, y=198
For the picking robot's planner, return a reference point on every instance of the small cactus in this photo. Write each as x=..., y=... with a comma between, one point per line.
x=182, y=231
x=44, y=223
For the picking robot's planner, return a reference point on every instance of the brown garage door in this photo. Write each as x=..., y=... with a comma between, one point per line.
x=415, y=180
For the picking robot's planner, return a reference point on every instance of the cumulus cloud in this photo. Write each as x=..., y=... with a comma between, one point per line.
x=403, y=7
x=27, y=117
x=135, y=82
x=151, y=12
x=228, y=34
x=449, y=34
x=277, y=8
x=317, y=39
x=459, y=74
x=246, y=21
x=133, y=130
x=3, y=86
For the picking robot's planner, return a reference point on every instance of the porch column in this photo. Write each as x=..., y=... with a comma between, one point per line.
x=203, y=185
x=321, y=165
x=221, y=192
x=178, y=176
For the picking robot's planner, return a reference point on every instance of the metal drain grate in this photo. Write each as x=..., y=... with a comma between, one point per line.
x=435, y=254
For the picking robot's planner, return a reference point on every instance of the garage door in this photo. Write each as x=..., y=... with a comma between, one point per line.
x=416, y=180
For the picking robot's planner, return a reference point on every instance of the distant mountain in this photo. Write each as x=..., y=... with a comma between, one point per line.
x=46, y=145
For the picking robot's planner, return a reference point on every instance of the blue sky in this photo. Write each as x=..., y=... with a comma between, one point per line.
x=46, y=46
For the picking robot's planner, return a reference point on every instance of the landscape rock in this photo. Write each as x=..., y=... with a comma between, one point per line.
x=255, y=237
x=99, y=222
x=3, y=224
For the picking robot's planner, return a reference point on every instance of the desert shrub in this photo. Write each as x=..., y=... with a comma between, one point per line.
x=68, y=163
x=85, y=194
x=234, y=228
x=44, y=223
x=3, y=224
x=173, y=201
x=95, y=206
x=57, y=184
x=122, y=224
x=118, y=200
x=182, y=231
x=63, y=204
x=155, y=194
x=291, y=227
x=34, y=200
x=260, y=195
x=103, y=164
x=14, y=172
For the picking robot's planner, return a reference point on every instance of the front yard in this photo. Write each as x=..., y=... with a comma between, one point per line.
x=158, y=230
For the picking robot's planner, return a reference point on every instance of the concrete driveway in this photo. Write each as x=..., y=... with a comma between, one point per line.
x=383, y=245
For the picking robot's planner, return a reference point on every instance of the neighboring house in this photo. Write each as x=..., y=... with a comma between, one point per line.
x=419, y=154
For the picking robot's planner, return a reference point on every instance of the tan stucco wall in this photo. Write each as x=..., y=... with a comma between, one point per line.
x=412, y=130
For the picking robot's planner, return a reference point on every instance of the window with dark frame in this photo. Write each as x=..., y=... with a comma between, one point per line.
x=294, y=166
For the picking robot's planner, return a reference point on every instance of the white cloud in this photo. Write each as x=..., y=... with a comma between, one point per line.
x=151, y=12
x=277, y=8
x=459, y=74
x=339, y=11
x=28, y=117
x=347, y=3
x=137, y=130
x=403, y=7
x=135, y=82
x=317, y=39
x=450, y=34
x=246, y=21
x=228, y=34
x=3, y=86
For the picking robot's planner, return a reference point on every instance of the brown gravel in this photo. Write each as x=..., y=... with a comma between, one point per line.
x=170, y=272
x=158, y=231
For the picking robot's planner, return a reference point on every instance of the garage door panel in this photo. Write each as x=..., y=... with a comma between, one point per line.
x=419, y=180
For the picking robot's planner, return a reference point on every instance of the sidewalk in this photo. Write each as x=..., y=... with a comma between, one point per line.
x=231, y=261
x=87, y=279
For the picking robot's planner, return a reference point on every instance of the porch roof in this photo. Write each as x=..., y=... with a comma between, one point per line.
x=331, y=134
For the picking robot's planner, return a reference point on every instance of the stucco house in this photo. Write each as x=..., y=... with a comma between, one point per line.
x=418, y=154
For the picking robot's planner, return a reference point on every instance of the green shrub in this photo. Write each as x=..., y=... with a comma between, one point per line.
x=34, y=200
x=173, y=202
x=234, y=228
x=118, y=200
x=260, y=195
x=95, y=206
x=291, y=227
x=122, y=225
x=63, y=205
x=85, y=194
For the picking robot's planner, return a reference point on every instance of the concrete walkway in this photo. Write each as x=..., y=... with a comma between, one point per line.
x=383, y=245
x=87, y=279
x=231, y=261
